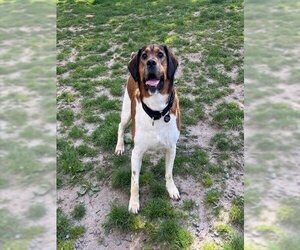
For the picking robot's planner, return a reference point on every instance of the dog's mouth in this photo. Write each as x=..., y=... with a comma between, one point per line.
x=152, y=80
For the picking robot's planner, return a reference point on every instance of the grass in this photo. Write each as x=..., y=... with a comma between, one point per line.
x=66, y=116
x=66, y=231
x=84, y=150
x=236, y=242
x=236, y=213
x=188, y=205
x=69, y=161
x=122, y=178
x=286, y=242
x=36, y=211
x=211, y=246
x=76, y=133
x=119, y=218
x=103, y=103
x=173, y=235
x=66, y=245
x=102, y=174
x=15, y=116
x=158, y=208
x=79, y=211
x=105, y=135
x=158, y=190
x=277, y=116
x=267, y=229
x=11, y=225
x=207, y=180
x=212, y=197
x=288, y=213
x=228, y=116
x=97, y=75
x=223, y=143
x=223, y=229
x=28, y=113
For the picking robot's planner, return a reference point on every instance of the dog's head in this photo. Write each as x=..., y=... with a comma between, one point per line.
x=153, y=67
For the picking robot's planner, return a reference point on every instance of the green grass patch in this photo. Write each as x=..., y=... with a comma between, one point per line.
x=288, y=213
x=9, y=225
x=66, y=97
x=199, y=157
x=158, y=190
x=105, y=135
x=236, y=242
x=121, y=178
x=211, y=246
x=173, y=236
x=66, y=116
x=79, y=211
x=119, y=218
x=120, y=161
x=222, y=142
x=236, y=213
x=66, y=245
x=65, y=228
x=207, y=180
x=228, y=116
x=76, y=232
x=101, y=103
x=188, y=205
x=15, y=116
x=76, y=133
x=158, y=208
x=86, y=151
x=223, y=229
x=212, y=197
x=68, y=161
x=36, y=211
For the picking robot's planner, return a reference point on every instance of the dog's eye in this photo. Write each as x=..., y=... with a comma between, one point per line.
x=160, y=54
x=144, y=56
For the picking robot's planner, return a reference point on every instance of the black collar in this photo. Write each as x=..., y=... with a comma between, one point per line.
x=156, y=115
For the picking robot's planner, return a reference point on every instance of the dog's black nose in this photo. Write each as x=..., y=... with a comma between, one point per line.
x=151, y=63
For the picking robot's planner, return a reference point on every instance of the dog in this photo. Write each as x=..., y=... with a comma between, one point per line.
x=151, y=102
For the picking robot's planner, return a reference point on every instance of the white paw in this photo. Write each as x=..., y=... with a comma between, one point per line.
x=134, y=206
x=119, y=149
x=173, y=191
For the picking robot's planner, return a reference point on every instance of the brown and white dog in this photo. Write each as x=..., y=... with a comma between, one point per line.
x=151, y=102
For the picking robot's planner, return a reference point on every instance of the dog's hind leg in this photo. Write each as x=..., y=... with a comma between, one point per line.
x=172, y=189
x=125, y=117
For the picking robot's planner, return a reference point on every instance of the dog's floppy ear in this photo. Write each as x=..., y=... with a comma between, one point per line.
x=133, y=65
x=172, y=62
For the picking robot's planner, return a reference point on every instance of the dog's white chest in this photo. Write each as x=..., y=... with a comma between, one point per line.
x=154, y=134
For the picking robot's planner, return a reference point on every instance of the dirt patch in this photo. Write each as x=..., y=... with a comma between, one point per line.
x=202, y=133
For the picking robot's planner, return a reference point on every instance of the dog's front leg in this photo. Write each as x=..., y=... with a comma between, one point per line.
x=136, y=162
x=125, y=117
x=172, y=189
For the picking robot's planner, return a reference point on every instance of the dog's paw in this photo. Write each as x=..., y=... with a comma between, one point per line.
x=119, y=149
x=173, y=191
x=134, y=206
